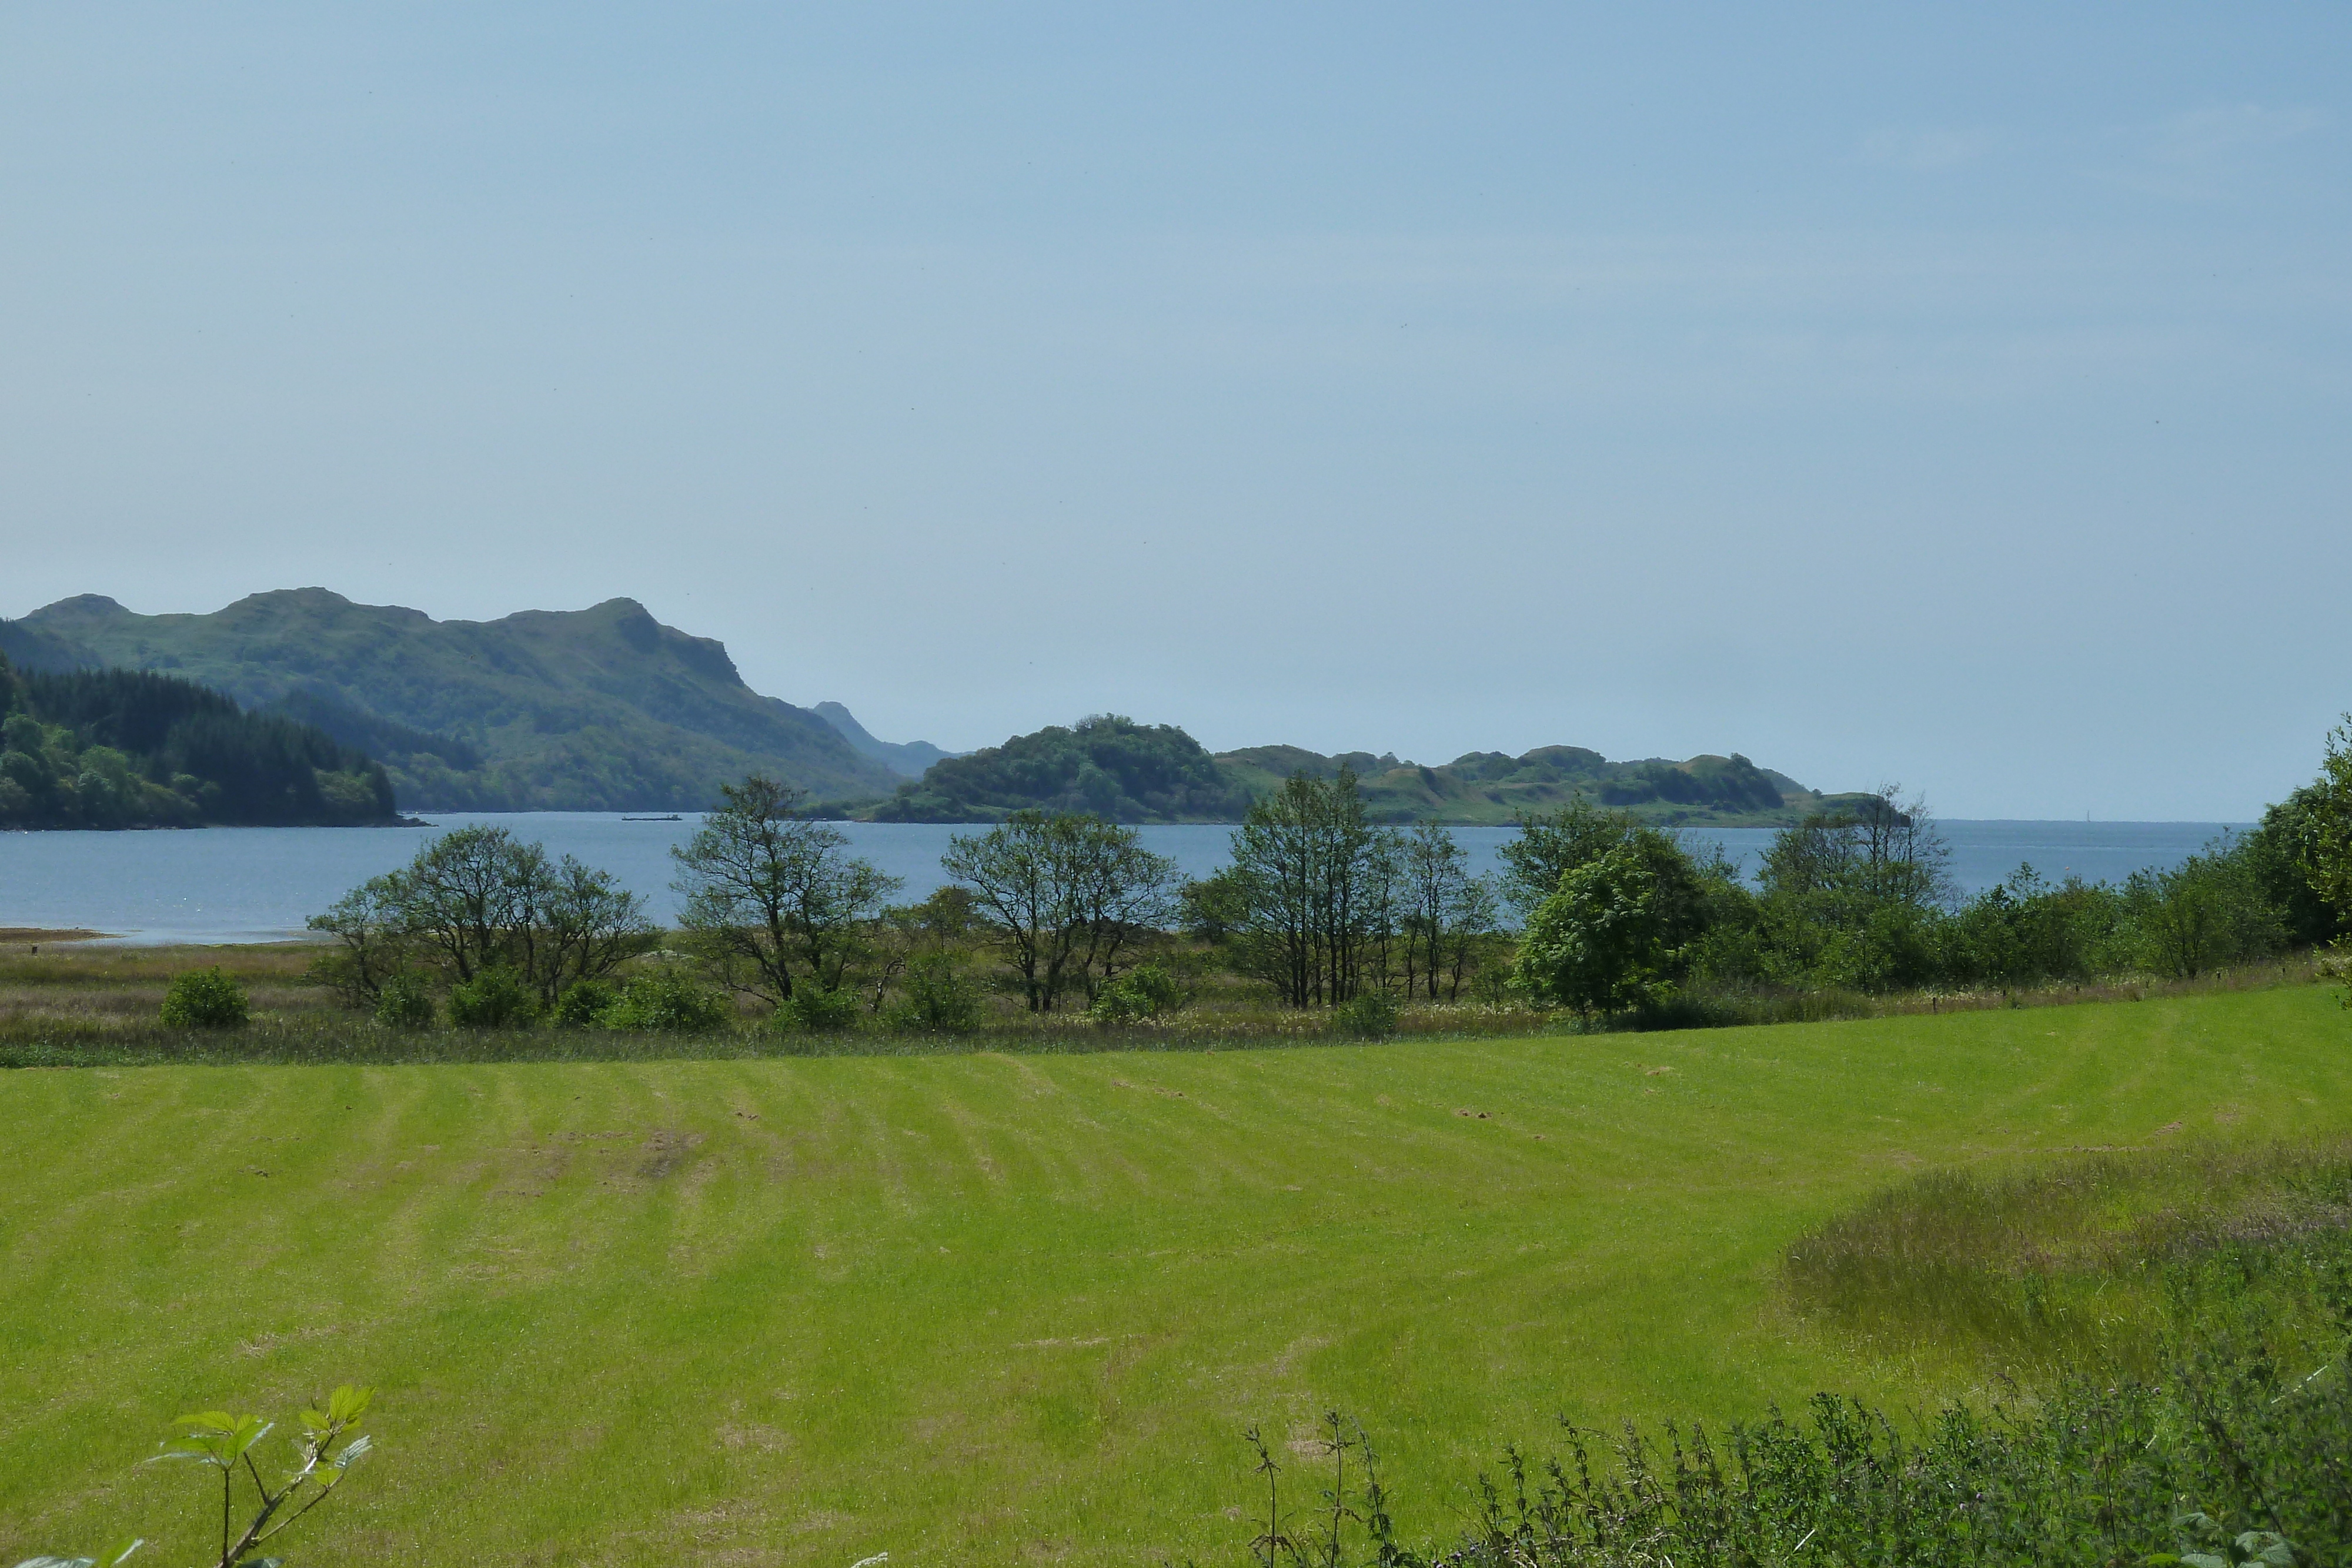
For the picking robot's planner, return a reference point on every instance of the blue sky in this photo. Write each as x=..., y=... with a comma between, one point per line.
x=1951, y=398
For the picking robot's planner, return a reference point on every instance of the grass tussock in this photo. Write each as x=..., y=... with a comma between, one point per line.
x=2201, y=1417
x=2061, y=1266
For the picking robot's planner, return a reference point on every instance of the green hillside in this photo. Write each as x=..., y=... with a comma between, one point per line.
x=606, y=709
x=1493, y=786
x=1138, y=773
x=1108, y=765
x=996, y=1309
x=598, y=709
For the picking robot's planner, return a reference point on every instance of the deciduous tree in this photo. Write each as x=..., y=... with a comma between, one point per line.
x=1599, y=944
x=1062, y=892
x=770, y=897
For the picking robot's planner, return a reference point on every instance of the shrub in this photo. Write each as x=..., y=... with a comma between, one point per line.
x=494, y=998
x=935, y=998
x=1145, y=991
x=1599, y=944
x=585, y=1004
x=404, y=1001
x=203, y=998
x=1371, y=1016
x=667, y=1004
x=816, y=1011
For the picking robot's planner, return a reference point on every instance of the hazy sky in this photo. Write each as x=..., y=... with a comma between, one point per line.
x=1951, y=396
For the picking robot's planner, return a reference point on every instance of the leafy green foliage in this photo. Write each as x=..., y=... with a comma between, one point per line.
x=1107, y=765
x=934, y=997
x=1448, y=917
x=813, y=1011
x=1061, y=894
x=329, y=1444
x=223, y=1442
x=773, y=902
x=404, y=1001
x=495, y=997
x=112, y=748
x=584, y=1003
x=2027, y=931
x=2281, y=853
x=2327, y=847
x=1310, y=891
x=1145, y=991
x=205, y=999
x=1599, y=945
x=2207, y=912
x=1368, y=1015
x=477, y=899
x=666, y=1003
x=1835, y=913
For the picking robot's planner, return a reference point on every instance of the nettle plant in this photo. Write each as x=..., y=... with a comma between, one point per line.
x=329, y=1444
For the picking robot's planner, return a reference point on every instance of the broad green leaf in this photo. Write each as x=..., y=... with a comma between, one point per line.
x=209, y=1421
x=207, y=1449
x=58, y=1563
x=248, y=1432
x=349, y=1401
x=357, y=1448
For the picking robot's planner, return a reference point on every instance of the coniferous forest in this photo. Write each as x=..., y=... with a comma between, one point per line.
x=121, y=748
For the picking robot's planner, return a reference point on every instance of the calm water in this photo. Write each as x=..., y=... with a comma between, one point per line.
x=248, y=884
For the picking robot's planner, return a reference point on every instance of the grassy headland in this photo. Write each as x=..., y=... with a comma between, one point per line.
x=1131, y=772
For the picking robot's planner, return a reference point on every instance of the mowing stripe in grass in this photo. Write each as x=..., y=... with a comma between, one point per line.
x=981, y=1308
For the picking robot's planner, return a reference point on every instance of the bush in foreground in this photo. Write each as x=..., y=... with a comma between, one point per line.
x=934, y=998
x=816, y=1011
x=494, y=998
x=404, y=1001
x=667, y=1004
x=584, y=1003
x=1372, y=1016
x=205, y=999
x=1145, y=991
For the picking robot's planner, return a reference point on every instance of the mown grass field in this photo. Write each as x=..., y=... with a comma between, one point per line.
x=992, y=1308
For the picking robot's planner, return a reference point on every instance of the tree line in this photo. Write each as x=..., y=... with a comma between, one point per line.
x=1589, y=910
x=123, y=749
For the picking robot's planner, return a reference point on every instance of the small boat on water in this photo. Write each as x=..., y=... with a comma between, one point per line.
x=673, y=817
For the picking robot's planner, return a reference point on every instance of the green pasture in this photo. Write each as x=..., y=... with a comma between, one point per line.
x=995, y=1308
